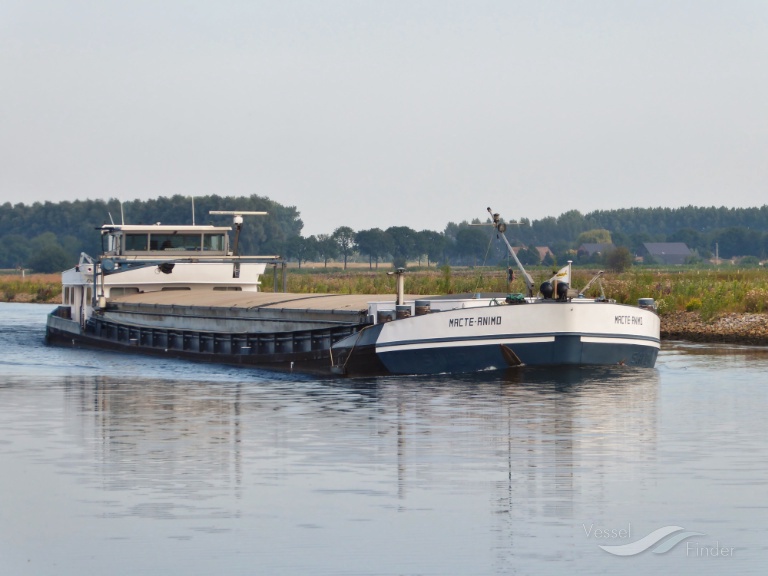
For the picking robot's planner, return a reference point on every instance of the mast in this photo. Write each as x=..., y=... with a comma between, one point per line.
x=237, y=220
x=500, y=228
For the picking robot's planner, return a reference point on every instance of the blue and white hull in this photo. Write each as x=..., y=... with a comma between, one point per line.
x=544, y=332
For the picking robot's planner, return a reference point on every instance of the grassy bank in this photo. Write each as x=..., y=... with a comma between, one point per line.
x=43, y=288
x=420, y=281
x=710, y=293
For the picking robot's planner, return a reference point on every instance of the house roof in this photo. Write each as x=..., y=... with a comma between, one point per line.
x=542, y=250
x=667, y=248
x=668, y=252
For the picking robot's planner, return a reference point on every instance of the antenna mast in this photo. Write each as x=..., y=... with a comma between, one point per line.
x=237, y=220
x=500, y=226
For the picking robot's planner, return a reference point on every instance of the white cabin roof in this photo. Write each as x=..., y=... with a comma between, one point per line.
x=149, y=228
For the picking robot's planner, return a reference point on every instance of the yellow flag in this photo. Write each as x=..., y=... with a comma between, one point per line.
x=563, y=275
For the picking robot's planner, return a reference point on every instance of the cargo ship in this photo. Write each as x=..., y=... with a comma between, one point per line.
x=183, y=291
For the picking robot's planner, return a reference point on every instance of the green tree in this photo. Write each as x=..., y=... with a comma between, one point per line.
x=569, y=225
x=472, y=244
x=737, y=241
x=403, y=244
x=302, y=249
x=618, y=259
x=432, y=244
x=48, y=255
x=450, y=231
x=374, y=243
x=596, y=236
x=529, y=256
x=327, y=248
x=621, y=239
x=690, y=237
x=14, y=251
x=344, y=237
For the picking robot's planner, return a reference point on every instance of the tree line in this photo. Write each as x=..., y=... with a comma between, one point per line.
x=48, y=237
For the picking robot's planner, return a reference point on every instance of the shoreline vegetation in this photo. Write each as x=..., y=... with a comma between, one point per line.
x=695, y=304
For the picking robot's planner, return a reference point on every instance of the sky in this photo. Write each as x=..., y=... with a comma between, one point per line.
x=375, y=114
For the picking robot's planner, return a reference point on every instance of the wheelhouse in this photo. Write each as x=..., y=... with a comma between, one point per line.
x=163, y=241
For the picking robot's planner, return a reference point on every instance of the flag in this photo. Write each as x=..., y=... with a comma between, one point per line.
x=563, y=275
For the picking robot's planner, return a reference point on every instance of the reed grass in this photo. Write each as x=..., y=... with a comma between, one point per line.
x=711, y=292
x=31, y=288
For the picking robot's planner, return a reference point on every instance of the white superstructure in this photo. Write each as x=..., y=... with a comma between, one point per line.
x=153, y=258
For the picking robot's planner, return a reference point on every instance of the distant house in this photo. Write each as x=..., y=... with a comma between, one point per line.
x=543, y=251
x=666, y=252
x=589, y=249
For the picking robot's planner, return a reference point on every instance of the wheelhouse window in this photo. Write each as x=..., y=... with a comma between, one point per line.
x=142, y=242
x=175, y=242
x=136, y=242
x=214, y=242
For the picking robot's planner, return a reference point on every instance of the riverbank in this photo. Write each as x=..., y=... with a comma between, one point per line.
x=734, y=328
x=31, y=288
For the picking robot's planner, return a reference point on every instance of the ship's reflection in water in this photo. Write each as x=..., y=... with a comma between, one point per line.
x=472, y=474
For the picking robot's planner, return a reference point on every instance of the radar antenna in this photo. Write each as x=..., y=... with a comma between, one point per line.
x=237, y=220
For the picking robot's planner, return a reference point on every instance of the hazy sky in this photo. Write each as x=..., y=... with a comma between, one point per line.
x=385, y=113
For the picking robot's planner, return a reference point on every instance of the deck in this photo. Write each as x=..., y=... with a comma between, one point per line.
x=226, y=311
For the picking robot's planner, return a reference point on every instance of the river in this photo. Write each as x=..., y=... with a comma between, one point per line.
x=120, y=464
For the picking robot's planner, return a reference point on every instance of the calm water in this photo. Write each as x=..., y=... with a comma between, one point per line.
x=116, y=464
